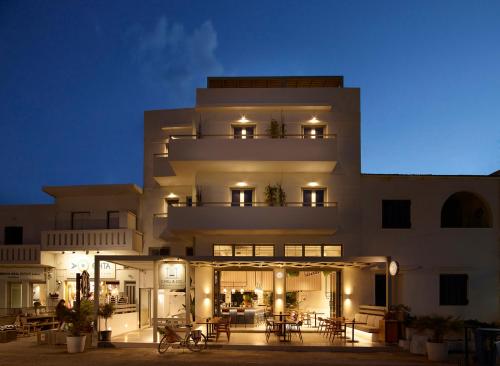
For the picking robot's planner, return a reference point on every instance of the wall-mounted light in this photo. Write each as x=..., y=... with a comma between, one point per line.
x=313, y=184
x=314, y=120
x=347, y=296
x=172, y=195
x=241, y=184
x=243, y=119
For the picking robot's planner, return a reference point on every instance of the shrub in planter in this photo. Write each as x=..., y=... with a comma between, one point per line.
x=79, y=321
x=437, y=348
x=106, y=311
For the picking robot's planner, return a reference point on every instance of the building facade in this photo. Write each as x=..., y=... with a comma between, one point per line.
x=259, y=189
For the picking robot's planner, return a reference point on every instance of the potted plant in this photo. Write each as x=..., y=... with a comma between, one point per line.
x=437, y=348
x=106, y=311
x=37, y=305
x=79, y=321
x=275, y=195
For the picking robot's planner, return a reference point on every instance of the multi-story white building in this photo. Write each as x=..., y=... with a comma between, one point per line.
x=259, y=188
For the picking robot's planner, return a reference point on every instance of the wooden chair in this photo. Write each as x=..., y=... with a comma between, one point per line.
x=338, y=328
x=223, y=326
x=271, y=328
x=321, y=325
x=295, y=329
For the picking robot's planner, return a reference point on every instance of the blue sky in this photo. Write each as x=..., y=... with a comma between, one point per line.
x=75, y=78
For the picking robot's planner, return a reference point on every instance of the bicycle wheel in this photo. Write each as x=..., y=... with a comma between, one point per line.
x=196, y=344
x=164, y=345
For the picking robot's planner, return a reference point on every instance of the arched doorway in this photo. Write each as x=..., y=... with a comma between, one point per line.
x=465, y=210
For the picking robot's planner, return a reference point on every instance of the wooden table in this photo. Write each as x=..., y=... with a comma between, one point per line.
x=352, y=322
x=315, y=315
x=281, y=315
x=283, y=324
x=209, y=332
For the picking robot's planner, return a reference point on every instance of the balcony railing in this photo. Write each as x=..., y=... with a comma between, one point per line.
x=254, y=136
x=108, y=239
x=248, y=204
x=20, y=254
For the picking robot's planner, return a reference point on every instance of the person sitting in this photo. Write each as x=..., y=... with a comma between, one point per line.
x=61, y=312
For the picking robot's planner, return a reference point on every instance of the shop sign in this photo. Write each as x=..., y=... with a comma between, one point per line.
x=172, y=276
x=78, y=265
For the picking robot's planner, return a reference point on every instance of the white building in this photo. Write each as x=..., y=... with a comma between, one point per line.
x=259, y=188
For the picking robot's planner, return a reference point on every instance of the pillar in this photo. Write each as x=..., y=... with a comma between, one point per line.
x=155, y=301
x=279, y=289
x=204, y=292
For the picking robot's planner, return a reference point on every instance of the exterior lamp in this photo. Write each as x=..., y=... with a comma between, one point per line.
x=312, y=184
x=243, y=119
x=314, y=120
x=241, y=184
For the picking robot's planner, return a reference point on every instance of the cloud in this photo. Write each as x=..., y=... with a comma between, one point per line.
x=175, y=59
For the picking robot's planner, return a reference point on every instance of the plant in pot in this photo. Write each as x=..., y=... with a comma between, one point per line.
x=79, y=321
x=437, y=348
x=106, y=311
x=37, y=305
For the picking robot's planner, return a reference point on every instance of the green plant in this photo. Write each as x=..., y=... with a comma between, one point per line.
x=291, y=299
x=274, y=129
x=106, y=311
x=292, y=273
x=79, y=319
x=439, y=325
x=275, y=195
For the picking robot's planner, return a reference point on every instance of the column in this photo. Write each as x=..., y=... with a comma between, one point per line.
x=204, y=292
x=279, y=289
x=155, y=301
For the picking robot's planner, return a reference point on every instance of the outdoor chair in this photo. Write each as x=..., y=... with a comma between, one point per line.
x=306, y=319
x=271, y=328
x=223, y=326
x=337, y=329
x=295, y=329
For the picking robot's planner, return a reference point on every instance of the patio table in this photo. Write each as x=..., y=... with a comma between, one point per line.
x=352, y=322
x=315, y=316
x=209, y=326
x=283, y=324
x=281, y=315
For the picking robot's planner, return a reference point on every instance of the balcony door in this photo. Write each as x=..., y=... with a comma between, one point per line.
x=241, y=197
x=313, y=197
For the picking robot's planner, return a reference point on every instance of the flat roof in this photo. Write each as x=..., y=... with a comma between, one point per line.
x=92, y=190
x=396, y=175
x=275, y=82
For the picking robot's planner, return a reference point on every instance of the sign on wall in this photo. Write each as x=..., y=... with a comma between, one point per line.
x=77, y=265
x=172, y=276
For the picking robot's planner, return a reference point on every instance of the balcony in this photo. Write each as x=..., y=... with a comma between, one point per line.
x=223, y=153
x=222, y=219
x=20, y=254
x=103, y=239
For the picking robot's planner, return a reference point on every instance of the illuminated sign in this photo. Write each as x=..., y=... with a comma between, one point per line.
x=172, y=276
x=77, y=265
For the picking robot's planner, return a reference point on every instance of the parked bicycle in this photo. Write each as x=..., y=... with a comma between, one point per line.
x=193, y=340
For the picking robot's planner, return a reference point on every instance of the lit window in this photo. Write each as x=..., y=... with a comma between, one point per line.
x=332, y=251
x=243, y=132
x=223, y=250
x=293, y=250
x=312, y=250
x=243, y=250
x=313, y=197
x=313, y=132
x=264, y=251
x=241, y=197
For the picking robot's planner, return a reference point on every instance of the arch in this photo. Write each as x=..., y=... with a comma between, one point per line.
x=465, y=209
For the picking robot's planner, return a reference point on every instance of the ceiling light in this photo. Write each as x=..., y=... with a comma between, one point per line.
x=172, y=195
x=314, y=120
x=241, y=184
x=243, y=119
x=312, y=184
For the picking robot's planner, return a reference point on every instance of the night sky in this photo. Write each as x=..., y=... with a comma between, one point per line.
x=75, y=78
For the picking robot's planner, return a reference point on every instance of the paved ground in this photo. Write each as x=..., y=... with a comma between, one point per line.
x=25, y=352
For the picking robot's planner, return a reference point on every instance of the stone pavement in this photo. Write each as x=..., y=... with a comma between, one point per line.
x=25, y=352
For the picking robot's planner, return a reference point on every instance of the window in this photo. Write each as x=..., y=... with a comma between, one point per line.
x=189, y=251
x=313, y=132
x=243, y=132
x=80, y=220
x=465, y=209
x=380, y=289
x=264, y=250
x=163, y=251
x=13, y=235
x=172, y=202
x=243, y=250
x=223, y=250
x=113, y=221
x=312, y=250
x=453, y=289
x=396, y=214
x=332, y=251
x=293, y=250
x=313, y=197
x=241, y=197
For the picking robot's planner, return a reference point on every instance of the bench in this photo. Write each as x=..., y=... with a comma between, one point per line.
x=372, y=316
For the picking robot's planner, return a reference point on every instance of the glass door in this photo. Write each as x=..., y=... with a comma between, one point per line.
x=144, y=307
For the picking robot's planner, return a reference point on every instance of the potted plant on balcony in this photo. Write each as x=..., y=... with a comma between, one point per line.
x=79, y=321
x=437, y=348
x=106, y=311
